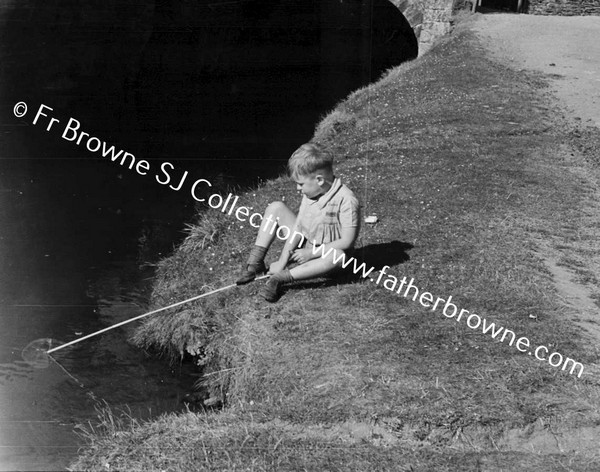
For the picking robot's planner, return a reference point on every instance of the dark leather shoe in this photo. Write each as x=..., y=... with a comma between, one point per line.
x=272, y=290
x=251, y=272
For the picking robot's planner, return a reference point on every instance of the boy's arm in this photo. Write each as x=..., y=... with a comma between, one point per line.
x=350, y=221
x=288, y=248
x=349, y=235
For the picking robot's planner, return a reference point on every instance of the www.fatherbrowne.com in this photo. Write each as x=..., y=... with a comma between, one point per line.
x=450, y=310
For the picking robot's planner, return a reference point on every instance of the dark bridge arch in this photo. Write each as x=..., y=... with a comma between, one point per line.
x=305, y=55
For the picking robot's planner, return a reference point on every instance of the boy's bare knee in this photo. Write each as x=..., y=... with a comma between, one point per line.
x=275, y=207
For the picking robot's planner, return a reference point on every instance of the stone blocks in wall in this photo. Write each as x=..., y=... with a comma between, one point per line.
x=436, y=16
x=430, y=32
x=413, y=12
x=564, y=7
x=436, y=22
x=429, y=19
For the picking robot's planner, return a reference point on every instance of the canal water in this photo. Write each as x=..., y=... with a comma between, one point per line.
x=76, y=257
x=225, y=90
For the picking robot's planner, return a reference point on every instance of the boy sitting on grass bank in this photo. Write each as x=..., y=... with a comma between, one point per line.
x=329, y=216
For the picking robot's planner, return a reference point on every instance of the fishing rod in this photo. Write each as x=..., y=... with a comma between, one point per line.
x=38, y=349
x=139, y=317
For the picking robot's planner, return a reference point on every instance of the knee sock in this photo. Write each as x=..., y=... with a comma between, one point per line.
x=257, y=255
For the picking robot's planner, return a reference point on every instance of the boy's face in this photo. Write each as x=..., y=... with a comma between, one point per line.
x=310, y=185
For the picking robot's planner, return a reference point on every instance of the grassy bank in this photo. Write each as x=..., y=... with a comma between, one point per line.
x=463, y=162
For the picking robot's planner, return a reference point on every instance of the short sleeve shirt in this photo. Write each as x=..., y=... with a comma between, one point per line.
x=322, y=220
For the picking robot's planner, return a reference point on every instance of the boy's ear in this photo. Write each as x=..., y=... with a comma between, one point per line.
x=320, y=179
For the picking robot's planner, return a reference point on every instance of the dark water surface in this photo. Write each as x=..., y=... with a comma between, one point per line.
x=73, y=258
x=225, y=90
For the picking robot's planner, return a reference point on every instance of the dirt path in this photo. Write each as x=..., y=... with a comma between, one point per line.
x=568, y=48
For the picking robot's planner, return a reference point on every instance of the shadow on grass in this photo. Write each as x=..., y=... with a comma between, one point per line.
x=373, y=255
x=380, y=255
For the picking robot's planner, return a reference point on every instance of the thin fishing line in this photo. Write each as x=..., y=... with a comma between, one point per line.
x=367, y=160
x=75, y=379
x=139, y=317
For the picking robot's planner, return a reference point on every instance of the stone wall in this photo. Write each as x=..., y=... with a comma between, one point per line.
x=413, y=12
x=437, y=15
x=429, y=19
x=563, y=7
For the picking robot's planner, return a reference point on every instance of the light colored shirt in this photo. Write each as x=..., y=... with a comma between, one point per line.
x=322, y=220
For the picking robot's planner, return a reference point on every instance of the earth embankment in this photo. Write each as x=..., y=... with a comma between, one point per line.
x=472, y=171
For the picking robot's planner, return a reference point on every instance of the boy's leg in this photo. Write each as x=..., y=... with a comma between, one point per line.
x=311, y=269
x=317, y=267
x=277, y=214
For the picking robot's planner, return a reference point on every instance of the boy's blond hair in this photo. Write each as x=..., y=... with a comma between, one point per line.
x=308, y=159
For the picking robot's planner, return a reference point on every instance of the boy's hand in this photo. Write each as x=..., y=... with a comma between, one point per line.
x=302, y=255
x=277, y=267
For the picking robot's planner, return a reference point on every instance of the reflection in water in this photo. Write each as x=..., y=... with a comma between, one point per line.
x=35, y=354
x=225, y=89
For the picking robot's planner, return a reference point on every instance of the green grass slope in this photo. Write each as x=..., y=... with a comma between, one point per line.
x=462, y=161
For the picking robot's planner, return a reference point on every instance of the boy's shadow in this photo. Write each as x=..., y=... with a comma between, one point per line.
x=372, y=255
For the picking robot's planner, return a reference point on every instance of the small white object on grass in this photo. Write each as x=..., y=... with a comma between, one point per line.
x=371, y=219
